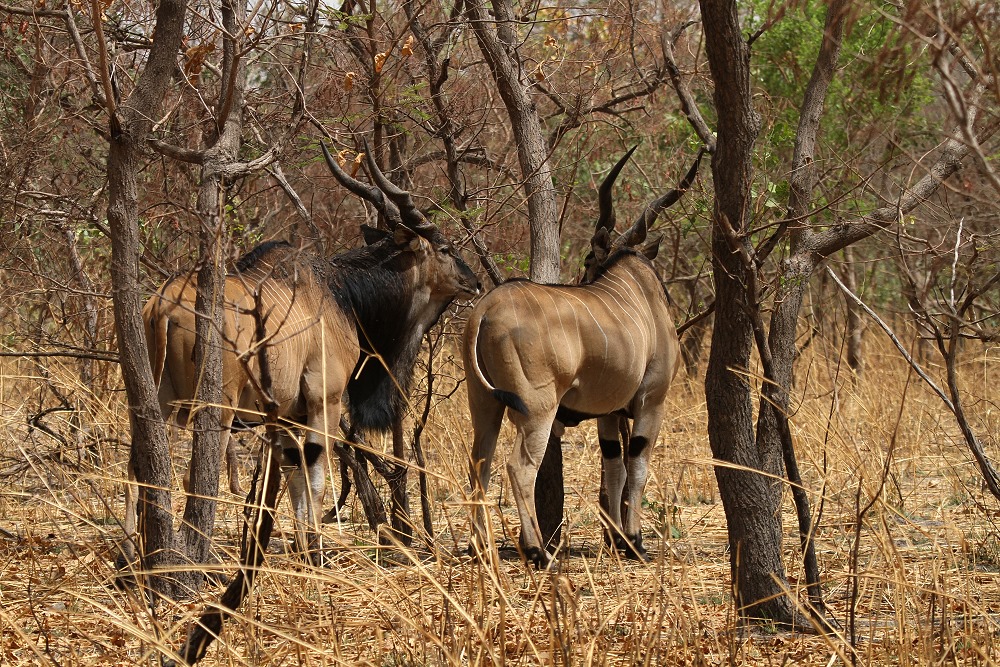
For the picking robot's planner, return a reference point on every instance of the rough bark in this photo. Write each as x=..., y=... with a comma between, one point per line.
x=752, y=501
x=550, y=496
x=199, y=511
x=130, y=125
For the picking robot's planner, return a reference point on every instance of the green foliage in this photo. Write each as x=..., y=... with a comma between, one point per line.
x=881, y=82
x=512, y=264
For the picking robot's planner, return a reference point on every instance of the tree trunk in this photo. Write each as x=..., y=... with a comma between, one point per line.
x=206, y=451
x=855, y=324
x=498, y=41
x=203, y=483
x=400, y=521
x=550, y=495
x=752, y=501
x=149, y=456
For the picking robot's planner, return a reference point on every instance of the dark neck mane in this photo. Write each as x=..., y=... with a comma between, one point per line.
x=368, y=284
x=618, y=256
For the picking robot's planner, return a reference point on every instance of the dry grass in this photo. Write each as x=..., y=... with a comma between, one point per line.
x=927, y=561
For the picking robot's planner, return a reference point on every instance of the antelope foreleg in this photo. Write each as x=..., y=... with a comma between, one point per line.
x=306, y=485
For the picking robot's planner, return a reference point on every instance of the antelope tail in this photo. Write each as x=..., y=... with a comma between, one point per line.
x=156, y=337
x=508, y=398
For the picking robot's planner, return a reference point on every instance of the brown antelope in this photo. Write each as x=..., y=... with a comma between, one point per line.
x=323, y=320
x=603, y=349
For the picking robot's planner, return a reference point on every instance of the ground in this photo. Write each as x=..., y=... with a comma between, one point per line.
x=923, y=557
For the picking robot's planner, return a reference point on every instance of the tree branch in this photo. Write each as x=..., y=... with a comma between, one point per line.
x=189, y=155
x=990, y=476
x=688, y=104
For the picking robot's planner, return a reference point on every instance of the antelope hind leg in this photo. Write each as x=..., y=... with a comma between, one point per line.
x=640, y=446
x=522, y=468
x=487, y=417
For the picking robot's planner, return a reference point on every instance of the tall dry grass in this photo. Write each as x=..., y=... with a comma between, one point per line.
x=925, y=555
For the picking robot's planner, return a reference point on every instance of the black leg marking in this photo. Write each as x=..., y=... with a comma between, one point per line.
x=292, y=457
x=631, y=547
x=313, y=452
x=636, y=445
x=610, y=449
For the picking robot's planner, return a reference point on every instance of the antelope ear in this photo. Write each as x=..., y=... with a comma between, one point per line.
x=373, y=235
x=651, y=249
x=601, y=244
x=404, y=237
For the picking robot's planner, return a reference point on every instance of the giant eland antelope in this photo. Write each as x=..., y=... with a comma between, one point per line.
x=602, y=349
x=323, y=319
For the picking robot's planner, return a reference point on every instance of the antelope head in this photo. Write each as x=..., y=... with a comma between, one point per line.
x=439, y=266
x=602, y=246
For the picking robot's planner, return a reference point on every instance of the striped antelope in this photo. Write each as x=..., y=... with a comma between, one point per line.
x=605, y=348
x=324, y=318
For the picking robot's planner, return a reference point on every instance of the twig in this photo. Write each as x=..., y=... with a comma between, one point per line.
x=990, y=476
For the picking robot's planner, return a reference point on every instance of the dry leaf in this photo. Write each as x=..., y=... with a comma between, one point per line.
x=379, y=62
x=295, y=27
x=357, y=164
x=407, y=49
x=349, y=81
x=196, y=60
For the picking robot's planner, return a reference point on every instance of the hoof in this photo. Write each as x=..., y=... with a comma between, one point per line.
x=631, y=548
x=477, y=552
x=539, y=557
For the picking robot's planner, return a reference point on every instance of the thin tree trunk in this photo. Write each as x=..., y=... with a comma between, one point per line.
x=400, y=520
x=855, y=324
x=498, y=41
x=203, y=483
x=130, y=125
x=200, y=509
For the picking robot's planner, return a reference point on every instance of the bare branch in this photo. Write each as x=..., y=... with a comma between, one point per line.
x=102, y=52
x=825, y=243
x=33, y=11
x=990, y=476
x=189, y=155
x=688, y=103
x=81, y=51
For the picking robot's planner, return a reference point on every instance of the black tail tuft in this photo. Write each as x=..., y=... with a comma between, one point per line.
x=511, y=400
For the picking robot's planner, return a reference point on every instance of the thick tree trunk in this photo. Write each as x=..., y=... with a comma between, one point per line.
x=752, y=501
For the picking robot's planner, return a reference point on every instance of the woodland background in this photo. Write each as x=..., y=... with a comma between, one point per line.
x=903, y=516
